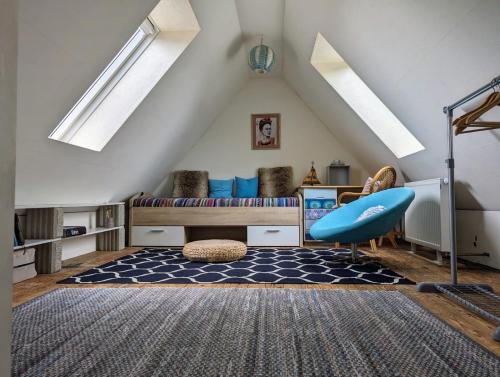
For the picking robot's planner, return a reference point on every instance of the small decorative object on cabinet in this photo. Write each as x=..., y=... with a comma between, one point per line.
x=319, y=201
x=311, y=177
x=338, y=173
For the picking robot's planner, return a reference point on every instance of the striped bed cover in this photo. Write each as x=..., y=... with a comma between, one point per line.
x=216, y=202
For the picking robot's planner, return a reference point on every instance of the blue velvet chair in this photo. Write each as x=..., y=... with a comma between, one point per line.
x=341, y=225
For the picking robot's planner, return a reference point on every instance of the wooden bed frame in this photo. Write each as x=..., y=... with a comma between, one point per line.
x=214, y=216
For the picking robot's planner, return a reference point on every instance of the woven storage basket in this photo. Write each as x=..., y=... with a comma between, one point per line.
x=214, y=250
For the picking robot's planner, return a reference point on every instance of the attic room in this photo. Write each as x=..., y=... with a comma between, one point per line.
x=249, y=188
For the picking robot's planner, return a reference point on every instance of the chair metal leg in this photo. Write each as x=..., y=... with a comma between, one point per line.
x=354, y=252
x=354, y=258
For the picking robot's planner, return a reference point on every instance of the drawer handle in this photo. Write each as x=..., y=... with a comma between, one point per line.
x=272, y=231
x=157, y=230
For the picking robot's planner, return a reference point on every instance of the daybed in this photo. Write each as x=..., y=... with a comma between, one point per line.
x=175, y=221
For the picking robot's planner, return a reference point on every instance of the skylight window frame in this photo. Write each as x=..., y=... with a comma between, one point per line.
x=106, y=81
x=336, y=71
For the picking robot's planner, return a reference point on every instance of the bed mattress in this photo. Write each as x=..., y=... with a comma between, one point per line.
x=216, y=202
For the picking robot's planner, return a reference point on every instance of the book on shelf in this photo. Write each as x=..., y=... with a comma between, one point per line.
x=72, y=231
x=18, y=234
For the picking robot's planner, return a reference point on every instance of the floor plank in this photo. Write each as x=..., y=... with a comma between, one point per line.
x=416, y=269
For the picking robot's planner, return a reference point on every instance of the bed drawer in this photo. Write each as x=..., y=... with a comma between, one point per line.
x=158, y=236
x=273, y=236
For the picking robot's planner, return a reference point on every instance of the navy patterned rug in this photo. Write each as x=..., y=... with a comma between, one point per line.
x=260, y=265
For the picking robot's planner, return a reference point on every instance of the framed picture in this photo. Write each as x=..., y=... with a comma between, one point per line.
x=266, y=133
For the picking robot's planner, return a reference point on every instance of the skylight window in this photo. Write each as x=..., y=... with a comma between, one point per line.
x=130, y=76
x=102, y=86
x=362, y=100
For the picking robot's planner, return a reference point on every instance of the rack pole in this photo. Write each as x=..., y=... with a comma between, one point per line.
x=430, y=287
x=460, y=293
x=471, y=96
x=451, y=204
x=448, y=110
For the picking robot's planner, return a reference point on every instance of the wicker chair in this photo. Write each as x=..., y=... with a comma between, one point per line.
x=383, y=180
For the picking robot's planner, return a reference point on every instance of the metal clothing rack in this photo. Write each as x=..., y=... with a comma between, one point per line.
x=479, y=298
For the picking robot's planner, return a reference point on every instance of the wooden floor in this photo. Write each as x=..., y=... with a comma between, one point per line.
x=405, y=264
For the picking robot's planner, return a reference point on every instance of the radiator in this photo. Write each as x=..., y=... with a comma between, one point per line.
x=426, y=220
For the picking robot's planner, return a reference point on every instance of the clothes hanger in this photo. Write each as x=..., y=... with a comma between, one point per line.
x=478, y=110
x=470, y=118
x=494, y=100
x=460, y=122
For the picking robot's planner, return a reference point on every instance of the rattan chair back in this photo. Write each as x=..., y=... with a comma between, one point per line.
x=384, y=179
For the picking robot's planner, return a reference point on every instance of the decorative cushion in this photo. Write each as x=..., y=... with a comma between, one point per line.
x=190, y=184
x=247, y=188
x=370, y=212
x=366, y=187
x=368, y=183
x=276, y=182
x=220, y=188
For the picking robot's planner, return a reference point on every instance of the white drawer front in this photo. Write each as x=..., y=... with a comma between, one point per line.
x=158, y=236
x=273, y=235
x=320, y=193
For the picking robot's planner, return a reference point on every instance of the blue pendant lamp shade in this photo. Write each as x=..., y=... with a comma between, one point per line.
x=261, y=58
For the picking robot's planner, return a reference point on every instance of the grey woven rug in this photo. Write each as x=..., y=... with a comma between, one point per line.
x=237, y=332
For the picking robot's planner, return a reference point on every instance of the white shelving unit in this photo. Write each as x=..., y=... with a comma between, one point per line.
x=42, y=225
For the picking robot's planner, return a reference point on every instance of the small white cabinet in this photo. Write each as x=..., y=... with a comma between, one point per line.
x=319, y=201
x=273, y=235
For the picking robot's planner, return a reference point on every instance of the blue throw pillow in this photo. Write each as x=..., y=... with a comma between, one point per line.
x=247, y=188
x=220, y=188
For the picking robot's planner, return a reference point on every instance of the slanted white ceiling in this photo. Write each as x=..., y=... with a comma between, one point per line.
x=416, y=56
x=63, y=46
x=262, y=18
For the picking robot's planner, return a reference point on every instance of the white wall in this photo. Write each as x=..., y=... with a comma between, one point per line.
x=477, y=233
x=417, y=56
x=8, y=54
x=225, y=149
x=63, y=46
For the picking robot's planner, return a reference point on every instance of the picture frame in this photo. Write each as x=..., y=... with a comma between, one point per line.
x=266, y=131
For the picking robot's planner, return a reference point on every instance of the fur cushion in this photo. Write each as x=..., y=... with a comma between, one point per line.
x=190, y=184
x=276, y=182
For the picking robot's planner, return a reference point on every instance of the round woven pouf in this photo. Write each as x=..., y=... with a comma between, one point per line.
x=214, y=250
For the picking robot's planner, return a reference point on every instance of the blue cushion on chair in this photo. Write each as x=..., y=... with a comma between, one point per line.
x=247, y=188
x=220, y=188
